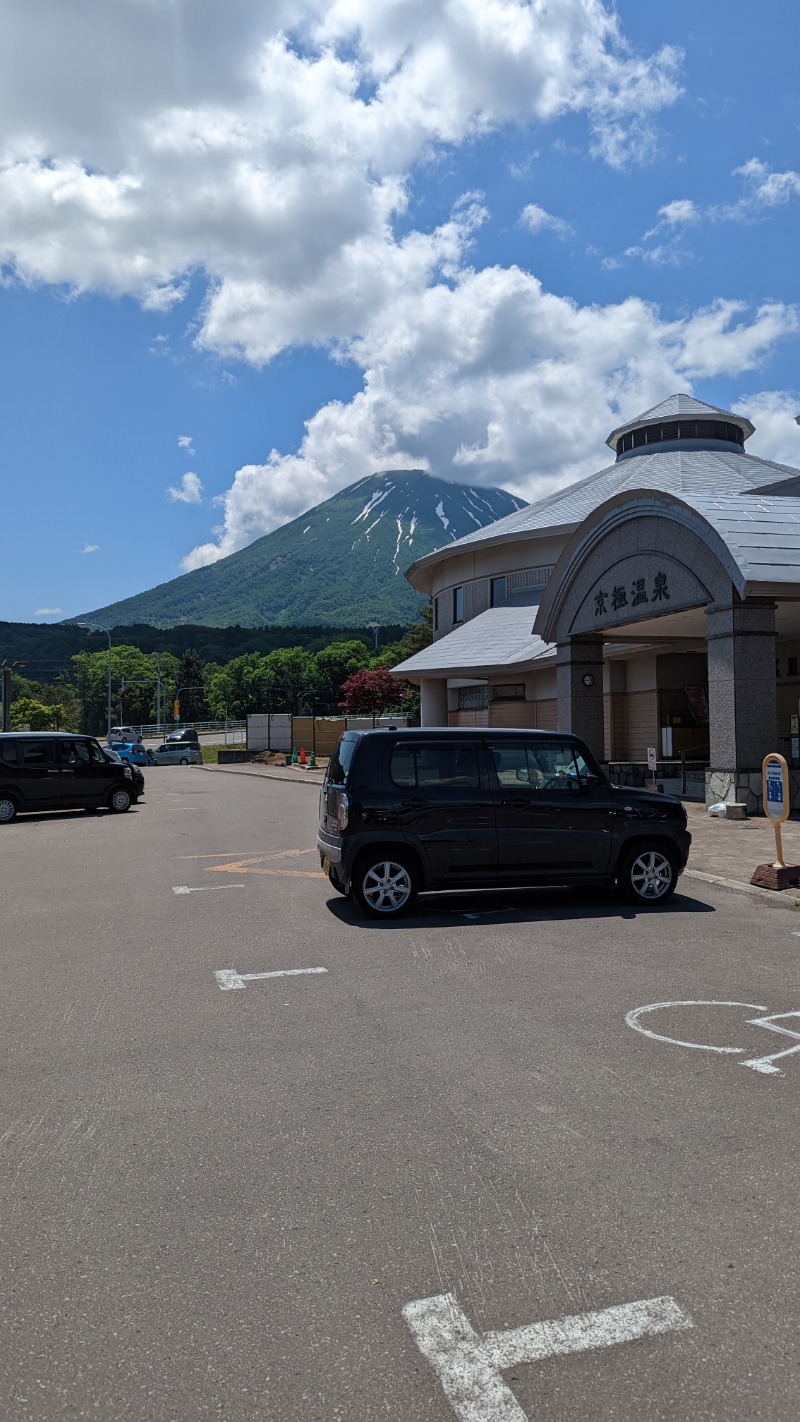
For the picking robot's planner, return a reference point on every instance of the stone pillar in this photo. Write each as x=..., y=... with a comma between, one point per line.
x=742, y=702
x=579, y=680
x=433, y=701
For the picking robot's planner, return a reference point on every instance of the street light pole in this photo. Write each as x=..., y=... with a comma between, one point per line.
x=88, y=627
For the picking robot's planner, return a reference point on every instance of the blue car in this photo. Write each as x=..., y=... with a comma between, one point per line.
x=127, y=750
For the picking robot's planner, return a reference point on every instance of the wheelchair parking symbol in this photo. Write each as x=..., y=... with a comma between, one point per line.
x=638, y=1017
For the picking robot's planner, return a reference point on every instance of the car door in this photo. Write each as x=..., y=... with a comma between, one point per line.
x=442, y=798
x=38, y=774
x=553, y=811
x=86, y=774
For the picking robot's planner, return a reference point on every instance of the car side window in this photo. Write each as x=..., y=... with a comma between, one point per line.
x=8, y=752
x=551, y=765
x=74, y=752
x=429, y=765
x=35, y=752
x=96, y=754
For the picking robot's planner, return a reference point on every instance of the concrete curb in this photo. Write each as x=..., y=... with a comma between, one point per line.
x=785, y=899
x=268, y=773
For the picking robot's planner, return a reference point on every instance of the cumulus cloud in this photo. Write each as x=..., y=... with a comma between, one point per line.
x=270, y=148
x=90, y=548
x=48, y=612
x=479, y=380
x=189, y=491
x=766, y=188
x=537, y=219
x=773, y=414
x=185, y=442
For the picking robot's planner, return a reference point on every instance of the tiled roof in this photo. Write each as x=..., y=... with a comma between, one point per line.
x=500, y=638
x=762, y=534
x=684, y=472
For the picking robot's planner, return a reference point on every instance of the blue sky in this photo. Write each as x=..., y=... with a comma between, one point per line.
x=250, y=253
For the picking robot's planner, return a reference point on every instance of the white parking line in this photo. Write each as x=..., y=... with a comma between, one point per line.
x=228, y=978
x=203, y=888
x=469, y=1365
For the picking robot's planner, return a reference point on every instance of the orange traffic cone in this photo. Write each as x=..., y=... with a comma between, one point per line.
x=303, y=760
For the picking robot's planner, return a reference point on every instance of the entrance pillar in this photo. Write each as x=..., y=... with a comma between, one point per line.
x=742, y=704
x=579, y=683
x=433, y=701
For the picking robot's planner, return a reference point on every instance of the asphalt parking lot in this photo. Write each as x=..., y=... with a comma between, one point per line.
x=517, y=1156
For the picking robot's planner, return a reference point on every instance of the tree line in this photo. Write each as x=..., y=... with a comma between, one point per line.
x=344, y=675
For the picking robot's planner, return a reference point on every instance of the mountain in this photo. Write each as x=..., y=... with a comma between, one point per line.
x=339, y=565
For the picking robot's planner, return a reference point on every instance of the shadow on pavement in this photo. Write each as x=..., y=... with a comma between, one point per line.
x=516, y=906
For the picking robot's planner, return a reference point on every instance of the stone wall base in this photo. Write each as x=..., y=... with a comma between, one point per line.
x=743, y=787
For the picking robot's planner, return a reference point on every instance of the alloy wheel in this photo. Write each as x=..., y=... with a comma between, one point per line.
x=651, y=875
x=386, y=887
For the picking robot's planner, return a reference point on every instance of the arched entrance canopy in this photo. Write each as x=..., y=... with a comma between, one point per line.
x=644, y=555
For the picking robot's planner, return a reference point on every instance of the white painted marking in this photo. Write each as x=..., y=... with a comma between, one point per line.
x=228, y=978
x=469, y=1365
x=203, y=889
x=765, y=1064
x=632, y=1019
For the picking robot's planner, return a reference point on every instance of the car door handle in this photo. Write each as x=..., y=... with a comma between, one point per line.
x=416, y=804
x=56, y=772
x=517, y=803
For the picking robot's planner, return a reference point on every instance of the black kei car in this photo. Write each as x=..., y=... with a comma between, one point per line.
x=404, y=811
x=59, y=770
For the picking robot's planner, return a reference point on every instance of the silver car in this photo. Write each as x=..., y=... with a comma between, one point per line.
x=180, y=753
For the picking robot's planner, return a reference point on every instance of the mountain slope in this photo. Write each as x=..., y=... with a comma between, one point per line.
x=339, y=565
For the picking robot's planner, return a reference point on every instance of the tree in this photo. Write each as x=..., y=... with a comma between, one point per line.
x=371, y=693
x=190, y=687
x=333, y=665
x=27, y=712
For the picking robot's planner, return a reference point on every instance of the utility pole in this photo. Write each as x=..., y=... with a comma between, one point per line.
x=7, y=668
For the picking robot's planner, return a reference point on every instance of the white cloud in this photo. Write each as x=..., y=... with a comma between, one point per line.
x=537, y=219
x=90, y=548
x=48, y=611
x=680, y=212
x=662, y=255
x=479, y=380
x=189, y=491
x=270, y=148
x=773, y=414
x=767, y=189
x=185, y=442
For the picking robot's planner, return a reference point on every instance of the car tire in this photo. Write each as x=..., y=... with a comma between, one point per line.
x=384, y=885
x=184, y=761
x=8, y=809
x=648, y=875
x=120, y=800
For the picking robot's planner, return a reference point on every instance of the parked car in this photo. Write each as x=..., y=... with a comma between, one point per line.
x=179, y=753
x=186, y=733
x=124, y=733
x=58, y=770
x=134, y=753
x=136, y=774
x=405, y=811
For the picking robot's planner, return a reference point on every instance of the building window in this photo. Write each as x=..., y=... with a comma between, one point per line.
x=512, y=692
x=458, y=604
x=497, y=592
x=436, y=614
x=473, y=698
x=792, y=668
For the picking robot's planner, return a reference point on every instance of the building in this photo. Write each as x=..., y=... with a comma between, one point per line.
x=655, y=603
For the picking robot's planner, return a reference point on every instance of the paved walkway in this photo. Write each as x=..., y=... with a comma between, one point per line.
x=723, y=851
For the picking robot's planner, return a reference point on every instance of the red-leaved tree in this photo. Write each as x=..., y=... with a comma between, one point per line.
x=371, y=693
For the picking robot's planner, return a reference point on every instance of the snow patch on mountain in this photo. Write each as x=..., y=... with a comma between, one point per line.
x=440, y=513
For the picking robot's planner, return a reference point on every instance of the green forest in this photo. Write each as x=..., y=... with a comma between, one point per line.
x=296, y=670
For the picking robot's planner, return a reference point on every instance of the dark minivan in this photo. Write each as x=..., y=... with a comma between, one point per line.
x=404, y=811
x=59, y=770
